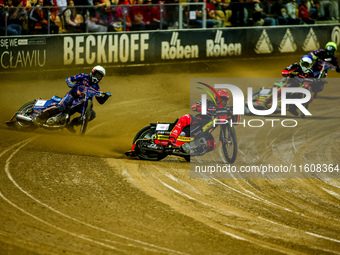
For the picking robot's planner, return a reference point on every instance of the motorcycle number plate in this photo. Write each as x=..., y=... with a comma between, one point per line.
x=163, y=127
x=40, y=103
x=265, y=92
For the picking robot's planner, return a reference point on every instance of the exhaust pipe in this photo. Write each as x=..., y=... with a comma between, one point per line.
x=152, y=147
x=24, y=118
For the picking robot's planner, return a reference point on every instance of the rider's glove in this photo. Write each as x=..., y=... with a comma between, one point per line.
x=70, y=85
x=285, y=73
x=196, y=107
x=107, y=94
x=293, y=74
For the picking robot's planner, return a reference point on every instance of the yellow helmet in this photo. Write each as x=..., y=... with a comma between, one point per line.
x=331, y=48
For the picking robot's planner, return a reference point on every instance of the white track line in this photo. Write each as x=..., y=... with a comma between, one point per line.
x=222, y=231
x=60, y=229
x=166, y=250
x=11, y=148
x=323, y=237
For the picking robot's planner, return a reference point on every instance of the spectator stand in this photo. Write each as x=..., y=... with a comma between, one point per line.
x=106, y=18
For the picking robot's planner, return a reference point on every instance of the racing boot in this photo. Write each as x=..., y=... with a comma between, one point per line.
x=173, y=142
x=74, y=122
x=44, y=115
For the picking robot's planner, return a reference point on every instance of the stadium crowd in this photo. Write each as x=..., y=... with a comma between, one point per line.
x=24, y=17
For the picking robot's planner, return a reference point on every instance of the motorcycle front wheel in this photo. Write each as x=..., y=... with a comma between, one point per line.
x=86, y=117
x=229, y=143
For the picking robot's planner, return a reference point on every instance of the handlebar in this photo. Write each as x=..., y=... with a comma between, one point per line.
x=326, y=65
x=90, y=92
x=224, y=111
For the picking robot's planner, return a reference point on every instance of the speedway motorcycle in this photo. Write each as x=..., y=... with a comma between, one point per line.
x=319, y=86
x=152, y=141
x=261, y=95
x=23, y=119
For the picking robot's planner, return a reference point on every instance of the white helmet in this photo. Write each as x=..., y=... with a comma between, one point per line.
x=306, y=63
x=97, y=73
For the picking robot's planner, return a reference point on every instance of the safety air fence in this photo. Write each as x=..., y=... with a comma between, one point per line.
x=119, y=49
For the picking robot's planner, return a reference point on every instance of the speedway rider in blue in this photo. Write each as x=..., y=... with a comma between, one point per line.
x=296, y=73
x=77, y=84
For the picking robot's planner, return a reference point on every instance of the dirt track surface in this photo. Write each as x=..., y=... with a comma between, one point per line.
x=65, y=194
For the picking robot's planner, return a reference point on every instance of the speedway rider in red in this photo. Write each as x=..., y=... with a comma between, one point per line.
x=326, y=55
x=297, y=72
x=77, y=84
x=189, y=119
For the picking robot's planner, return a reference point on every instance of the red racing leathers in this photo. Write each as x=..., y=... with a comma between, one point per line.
x=189, y=119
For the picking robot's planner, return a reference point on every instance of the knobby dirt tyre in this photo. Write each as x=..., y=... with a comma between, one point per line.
x=229, y=143
x=26, y=109
x=85, y=119
x=146, y=133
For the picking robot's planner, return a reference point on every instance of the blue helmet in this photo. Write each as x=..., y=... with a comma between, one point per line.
x=306, y=63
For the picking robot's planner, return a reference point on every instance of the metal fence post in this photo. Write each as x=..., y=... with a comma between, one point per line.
x=180, y=16
x=87, y=20
x=204, y=18
x=161, y=16
x=49, y=21
x=124, y=12
x=6, y=21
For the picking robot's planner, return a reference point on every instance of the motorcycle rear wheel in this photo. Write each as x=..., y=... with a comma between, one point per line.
x=229, y=143
x=146, y=133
